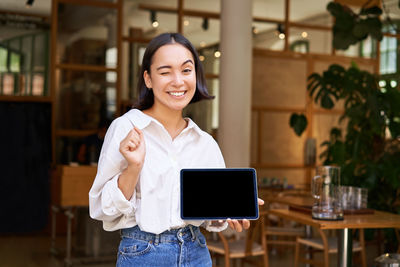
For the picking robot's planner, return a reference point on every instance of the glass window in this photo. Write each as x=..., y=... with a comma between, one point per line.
x=3, y=59
x=268, y=36
x=15, y=61
x=388, y=62
x=300, y=46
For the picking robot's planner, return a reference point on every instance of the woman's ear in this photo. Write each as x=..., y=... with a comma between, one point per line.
x=147, y=79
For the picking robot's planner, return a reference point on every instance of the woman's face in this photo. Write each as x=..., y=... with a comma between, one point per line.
x=172, y=77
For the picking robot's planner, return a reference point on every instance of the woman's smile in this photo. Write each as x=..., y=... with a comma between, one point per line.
x=172, y=77
x=177, y=94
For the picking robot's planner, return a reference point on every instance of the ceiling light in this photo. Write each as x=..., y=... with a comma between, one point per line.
x=186, y=22
x=202, y=44
x=201, y=57
x=255, y=30
x=153, y=19
x=205, y=24
x=155, y=24
x=304, y=34
x=280, y=31
x=29, y=3
x=217, y=54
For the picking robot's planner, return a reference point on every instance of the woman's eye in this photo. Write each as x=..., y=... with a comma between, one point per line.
x=187, y=70
x=164, y=73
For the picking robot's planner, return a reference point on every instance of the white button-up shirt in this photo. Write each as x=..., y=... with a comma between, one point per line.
x=155, y=203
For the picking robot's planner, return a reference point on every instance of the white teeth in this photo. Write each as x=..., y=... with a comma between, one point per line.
x=177, y=93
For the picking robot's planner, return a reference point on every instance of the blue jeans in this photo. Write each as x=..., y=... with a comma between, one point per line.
x=185, y=247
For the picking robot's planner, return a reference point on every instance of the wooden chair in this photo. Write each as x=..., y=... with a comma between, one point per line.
x=327, y=245
x=252, y=245
x=283, y=233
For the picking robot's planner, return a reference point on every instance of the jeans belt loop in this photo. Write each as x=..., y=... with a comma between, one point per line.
x=192, y=232
x=157, y=239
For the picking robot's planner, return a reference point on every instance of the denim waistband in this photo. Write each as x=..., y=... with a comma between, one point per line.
x=173, y=235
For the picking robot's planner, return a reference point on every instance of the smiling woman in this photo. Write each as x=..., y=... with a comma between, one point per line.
x=137, y=184
x=172, y=77
x=190, y=65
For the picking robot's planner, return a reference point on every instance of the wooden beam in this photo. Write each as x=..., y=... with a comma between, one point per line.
x=309, y=26
x=180, y=16
x=279, y=166
x=25, y=14
x=118, y=86
x=23, y=98
x=75, y=133
x=394, y=35
x=211, y=76
x=286, y=31
x=277, y=109
x=84, y=67
x=53, y=62
x=136, y=39
x=93, y=3
x=265, y=20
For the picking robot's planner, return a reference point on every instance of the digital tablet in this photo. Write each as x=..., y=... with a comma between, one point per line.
x=211, y=194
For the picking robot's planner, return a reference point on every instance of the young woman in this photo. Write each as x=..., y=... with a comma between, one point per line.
x=137, y=184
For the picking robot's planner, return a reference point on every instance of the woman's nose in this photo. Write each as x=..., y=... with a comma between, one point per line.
x=178, y=79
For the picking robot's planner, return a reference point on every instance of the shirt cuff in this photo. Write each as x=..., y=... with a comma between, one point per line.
x=215, y=228
x=113, y=200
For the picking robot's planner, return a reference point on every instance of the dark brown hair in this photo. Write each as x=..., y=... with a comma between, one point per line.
x=146, y=96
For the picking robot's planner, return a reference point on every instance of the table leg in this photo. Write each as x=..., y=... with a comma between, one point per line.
x=70, y=216
x=345, y=247
x=54, y=211
x=308, y=235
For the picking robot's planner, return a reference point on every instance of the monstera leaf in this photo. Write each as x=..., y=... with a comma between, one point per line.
x=350, y=28
x=298, y=122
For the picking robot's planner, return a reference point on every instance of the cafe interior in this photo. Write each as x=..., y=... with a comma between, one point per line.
x=306, y=93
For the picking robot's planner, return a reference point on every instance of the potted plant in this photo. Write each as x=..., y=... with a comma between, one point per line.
x=369, y=152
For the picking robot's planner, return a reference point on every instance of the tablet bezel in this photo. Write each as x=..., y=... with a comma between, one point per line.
x=255, y=201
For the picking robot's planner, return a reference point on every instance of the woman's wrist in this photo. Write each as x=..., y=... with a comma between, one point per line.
x=128, y=179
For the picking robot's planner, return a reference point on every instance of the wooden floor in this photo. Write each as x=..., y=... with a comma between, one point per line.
x=34, y=251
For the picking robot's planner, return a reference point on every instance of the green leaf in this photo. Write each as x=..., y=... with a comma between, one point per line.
x=298, y=122
x=394, y=128
x=334, y=8
x=360, y=30
x=326, y=101
x=375, y=10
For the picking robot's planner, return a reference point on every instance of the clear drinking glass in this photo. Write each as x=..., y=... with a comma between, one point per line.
x=360, y=198
x=327, y=193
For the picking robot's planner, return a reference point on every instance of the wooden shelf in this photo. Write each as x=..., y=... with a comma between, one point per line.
x=27, y=98
x=74, y=133
x=84, y=67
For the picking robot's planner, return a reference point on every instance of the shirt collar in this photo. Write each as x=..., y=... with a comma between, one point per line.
x=142, y=120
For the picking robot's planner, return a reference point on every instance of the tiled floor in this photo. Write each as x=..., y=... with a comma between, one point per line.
x=34, y=251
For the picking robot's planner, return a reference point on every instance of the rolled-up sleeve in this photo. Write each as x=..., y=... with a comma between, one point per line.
x=212, y=227
x=106, y=201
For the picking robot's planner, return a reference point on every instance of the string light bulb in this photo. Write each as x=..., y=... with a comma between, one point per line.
x=153, y=19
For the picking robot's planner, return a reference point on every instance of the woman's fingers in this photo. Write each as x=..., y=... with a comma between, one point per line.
x=260, y=202
x=235, y=225
x=246, y=224
x=139, y=132
x=238, y=225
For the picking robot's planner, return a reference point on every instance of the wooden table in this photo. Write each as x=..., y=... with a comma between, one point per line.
x=378, y=219
x=70, y=189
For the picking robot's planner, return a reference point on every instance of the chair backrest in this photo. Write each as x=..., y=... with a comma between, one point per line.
x=397, y=231
x=255, y=233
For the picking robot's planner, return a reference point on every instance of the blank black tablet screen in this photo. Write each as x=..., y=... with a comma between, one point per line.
x=219, y=194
